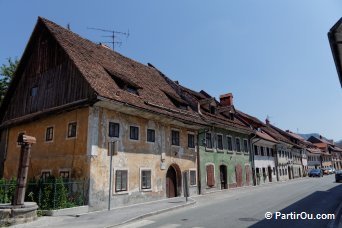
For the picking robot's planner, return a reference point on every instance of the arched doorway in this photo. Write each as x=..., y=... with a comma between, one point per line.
x=173, y=181
x=248, y=174
x=289, y=171
x=223, y=176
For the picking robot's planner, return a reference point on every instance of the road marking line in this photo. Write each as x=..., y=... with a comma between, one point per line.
x=138, y=224
x=170, y=226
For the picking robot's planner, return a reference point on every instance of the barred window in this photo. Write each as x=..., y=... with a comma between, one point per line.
x=145, y=179
x=120, y=180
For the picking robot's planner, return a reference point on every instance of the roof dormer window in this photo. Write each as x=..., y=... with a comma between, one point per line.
x=124, y=84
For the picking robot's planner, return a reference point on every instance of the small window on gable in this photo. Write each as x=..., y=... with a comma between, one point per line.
x=34, y=91
x=49, y=134
x=72, y=129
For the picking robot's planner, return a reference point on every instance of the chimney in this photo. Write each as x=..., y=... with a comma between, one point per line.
x=226, y=99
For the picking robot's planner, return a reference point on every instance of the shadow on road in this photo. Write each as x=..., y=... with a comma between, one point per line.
x=320, y=202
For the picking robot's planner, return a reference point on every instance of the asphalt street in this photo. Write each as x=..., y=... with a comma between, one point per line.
x=247, y=207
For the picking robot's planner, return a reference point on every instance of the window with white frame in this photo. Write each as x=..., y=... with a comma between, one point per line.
x=121, y=180
x=65, y=174
x=238, y=145
x=72, y=130
x=145, y=177
x=229, y=143
x=151, y=135
x=175, y=138
x=191, y=140
x=220, y=142
x=208, y=140
x=49, y=134
x=245, y=145
x=134, y=133
x=45, y=175
x=192, y=177
x=113, y=129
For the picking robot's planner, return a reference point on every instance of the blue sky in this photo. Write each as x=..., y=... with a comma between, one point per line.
x=274, y=56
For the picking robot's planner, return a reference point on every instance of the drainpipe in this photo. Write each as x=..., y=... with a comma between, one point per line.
x=252, y=156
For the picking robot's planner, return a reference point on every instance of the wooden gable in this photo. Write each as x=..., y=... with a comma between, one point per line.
x=46, y=78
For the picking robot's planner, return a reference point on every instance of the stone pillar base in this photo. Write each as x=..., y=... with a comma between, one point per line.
x=11, y=215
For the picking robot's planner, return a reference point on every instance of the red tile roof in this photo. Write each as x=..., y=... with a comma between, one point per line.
x=99, y=64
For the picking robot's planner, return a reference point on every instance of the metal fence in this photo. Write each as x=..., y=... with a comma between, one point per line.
x=49, y=194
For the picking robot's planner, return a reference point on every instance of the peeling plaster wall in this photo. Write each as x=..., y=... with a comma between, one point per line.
x=60, y=153
x=223, y=157
x=133, y=155
x=282, y=160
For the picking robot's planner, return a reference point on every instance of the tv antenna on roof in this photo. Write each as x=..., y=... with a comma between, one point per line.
x=114, y=35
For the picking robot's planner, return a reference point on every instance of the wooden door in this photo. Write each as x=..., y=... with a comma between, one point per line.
x=171, y=183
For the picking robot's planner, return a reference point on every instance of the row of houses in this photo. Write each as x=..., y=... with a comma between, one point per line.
x=77, y=97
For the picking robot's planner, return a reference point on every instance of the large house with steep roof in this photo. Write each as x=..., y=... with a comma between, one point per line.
x=77, y=97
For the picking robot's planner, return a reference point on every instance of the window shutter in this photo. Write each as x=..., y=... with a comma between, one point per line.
x=210, y=176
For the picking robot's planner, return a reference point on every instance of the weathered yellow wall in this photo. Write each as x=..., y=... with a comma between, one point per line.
x=134, y=155
x=61, y=153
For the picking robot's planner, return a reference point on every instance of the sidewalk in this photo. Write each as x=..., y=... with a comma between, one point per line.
x=112, y=218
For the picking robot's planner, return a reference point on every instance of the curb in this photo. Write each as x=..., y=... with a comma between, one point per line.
x=152, y=213
x=338, y=221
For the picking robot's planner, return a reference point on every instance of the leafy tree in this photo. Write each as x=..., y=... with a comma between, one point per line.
x=6, y=74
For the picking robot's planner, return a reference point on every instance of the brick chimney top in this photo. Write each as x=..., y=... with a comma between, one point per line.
x=226, y=99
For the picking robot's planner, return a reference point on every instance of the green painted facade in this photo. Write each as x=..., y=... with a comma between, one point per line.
x=230, y=159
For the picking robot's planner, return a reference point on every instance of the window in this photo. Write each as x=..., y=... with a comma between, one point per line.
x=72, y=130
x=238, y=147
x=262, y=151
x=114, y=129
x=151, y=135
x=49, y=134
x=193, y=177
x=220, y=142
x=268, y=151
x=229, y=143
x=145, y=179
x=272, y=152
x=256, y=152
x=64, y=174
x=245, y=145
x=134, y=133
x=34, y=91
x=208, y=140
x=120, y=180
x=45, y=175
x=210, y=175
x=175, y=138
x=191, y=140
